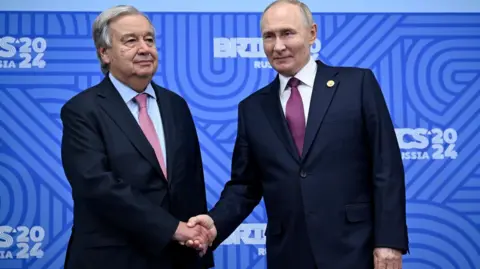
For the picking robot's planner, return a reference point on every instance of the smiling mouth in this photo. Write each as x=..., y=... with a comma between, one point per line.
x=282, y=58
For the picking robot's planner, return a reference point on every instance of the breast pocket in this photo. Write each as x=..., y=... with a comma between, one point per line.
x=341, y=116
x=184, y=141
x=341, y=127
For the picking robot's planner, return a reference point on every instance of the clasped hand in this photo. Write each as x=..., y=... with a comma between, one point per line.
x=198, y=233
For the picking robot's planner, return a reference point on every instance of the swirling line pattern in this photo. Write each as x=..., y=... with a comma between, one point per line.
x=428, y=66
x=443, y=232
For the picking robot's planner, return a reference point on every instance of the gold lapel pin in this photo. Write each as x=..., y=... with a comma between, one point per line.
x=330, y=83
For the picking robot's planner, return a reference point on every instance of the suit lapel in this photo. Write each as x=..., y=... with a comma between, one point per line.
x=274, y=112
x=323, y=92
x=113, y=104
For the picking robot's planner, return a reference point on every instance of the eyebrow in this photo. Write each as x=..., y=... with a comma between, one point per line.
x=127, y=35
x=279, y=30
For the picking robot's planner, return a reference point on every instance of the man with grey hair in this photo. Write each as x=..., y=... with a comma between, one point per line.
x=319, y=146
x=131, y=154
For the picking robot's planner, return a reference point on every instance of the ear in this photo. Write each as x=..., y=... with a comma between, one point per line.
x=104, y=54
x=313, y=34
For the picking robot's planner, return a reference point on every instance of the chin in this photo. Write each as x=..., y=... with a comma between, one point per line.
x=145, y=72
x=284, y=70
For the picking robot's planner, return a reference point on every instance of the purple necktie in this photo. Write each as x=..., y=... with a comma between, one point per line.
x=295, y=114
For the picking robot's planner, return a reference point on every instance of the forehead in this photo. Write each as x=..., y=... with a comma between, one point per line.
x=282, y=16
x=130, y=24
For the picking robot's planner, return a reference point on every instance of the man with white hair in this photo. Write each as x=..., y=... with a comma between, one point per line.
x=130, y=152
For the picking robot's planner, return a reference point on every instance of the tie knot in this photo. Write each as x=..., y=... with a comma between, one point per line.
x=141, y=100
x=293, y=82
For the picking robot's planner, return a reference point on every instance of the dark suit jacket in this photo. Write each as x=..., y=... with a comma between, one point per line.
x=345, y=196
x=125, y=211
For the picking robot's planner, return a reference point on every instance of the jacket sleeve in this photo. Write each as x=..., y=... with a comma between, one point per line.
x=390, y=226
x=244, y=190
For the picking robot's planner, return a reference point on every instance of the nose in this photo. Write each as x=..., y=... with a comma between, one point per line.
x=143, y=46
x=279, y=45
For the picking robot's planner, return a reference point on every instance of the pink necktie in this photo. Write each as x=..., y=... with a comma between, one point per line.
x=149, y=130
x=295, y=114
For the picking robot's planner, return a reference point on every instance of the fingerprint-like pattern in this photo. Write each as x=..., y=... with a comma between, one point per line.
x=441, y=232
x=432, y=64
x=212, y=86
x=18, y=192
x=428, y=67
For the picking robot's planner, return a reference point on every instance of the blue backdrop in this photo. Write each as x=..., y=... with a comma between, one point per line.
x=427, y=62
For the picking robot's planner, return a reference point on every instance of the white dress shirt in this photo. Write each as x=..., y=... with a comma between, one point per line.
x=128, y=95
x=306, y=75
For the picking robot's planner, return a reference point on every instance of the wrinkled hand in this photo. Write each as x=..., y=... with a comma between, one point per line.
x=387, y=258
x=205, y=222
x=198, y=233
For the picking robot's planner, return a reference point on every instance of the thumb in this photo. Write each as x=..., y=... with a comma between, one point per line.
x=205, y=221
x=192, y=222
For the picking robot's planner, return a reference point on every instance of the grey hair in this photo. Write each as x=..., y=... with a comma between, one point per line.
x=101, y=28
x=307, y=14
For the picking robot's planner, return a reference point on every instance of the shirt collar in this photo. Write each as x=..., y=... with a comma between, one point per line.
x=306, y=75
x=128, y=93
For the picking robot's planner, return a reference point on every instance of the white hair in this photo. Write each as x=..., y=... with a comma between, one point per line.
x=101, y=28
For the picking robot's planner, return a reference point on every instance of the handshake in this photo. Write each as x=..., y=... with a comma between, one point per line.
x=198, y=233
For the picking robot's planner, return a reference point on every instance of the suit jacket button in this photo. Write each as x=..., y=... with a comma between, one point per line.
x=303, y=174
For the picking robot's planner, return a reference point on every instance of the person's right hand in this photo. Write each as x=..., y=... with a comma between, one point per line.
x=197, y=233
x=206, y=222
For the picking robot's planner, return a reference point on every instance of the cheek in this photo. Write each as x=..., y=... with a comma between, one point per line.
x=154, y=52
x=300, y=49
x=268, y=49
x=127, y=53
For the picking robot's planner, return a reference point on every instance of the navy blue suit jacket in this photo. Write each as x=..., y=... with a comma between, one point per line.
x=125, y=211
x=345, y=196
